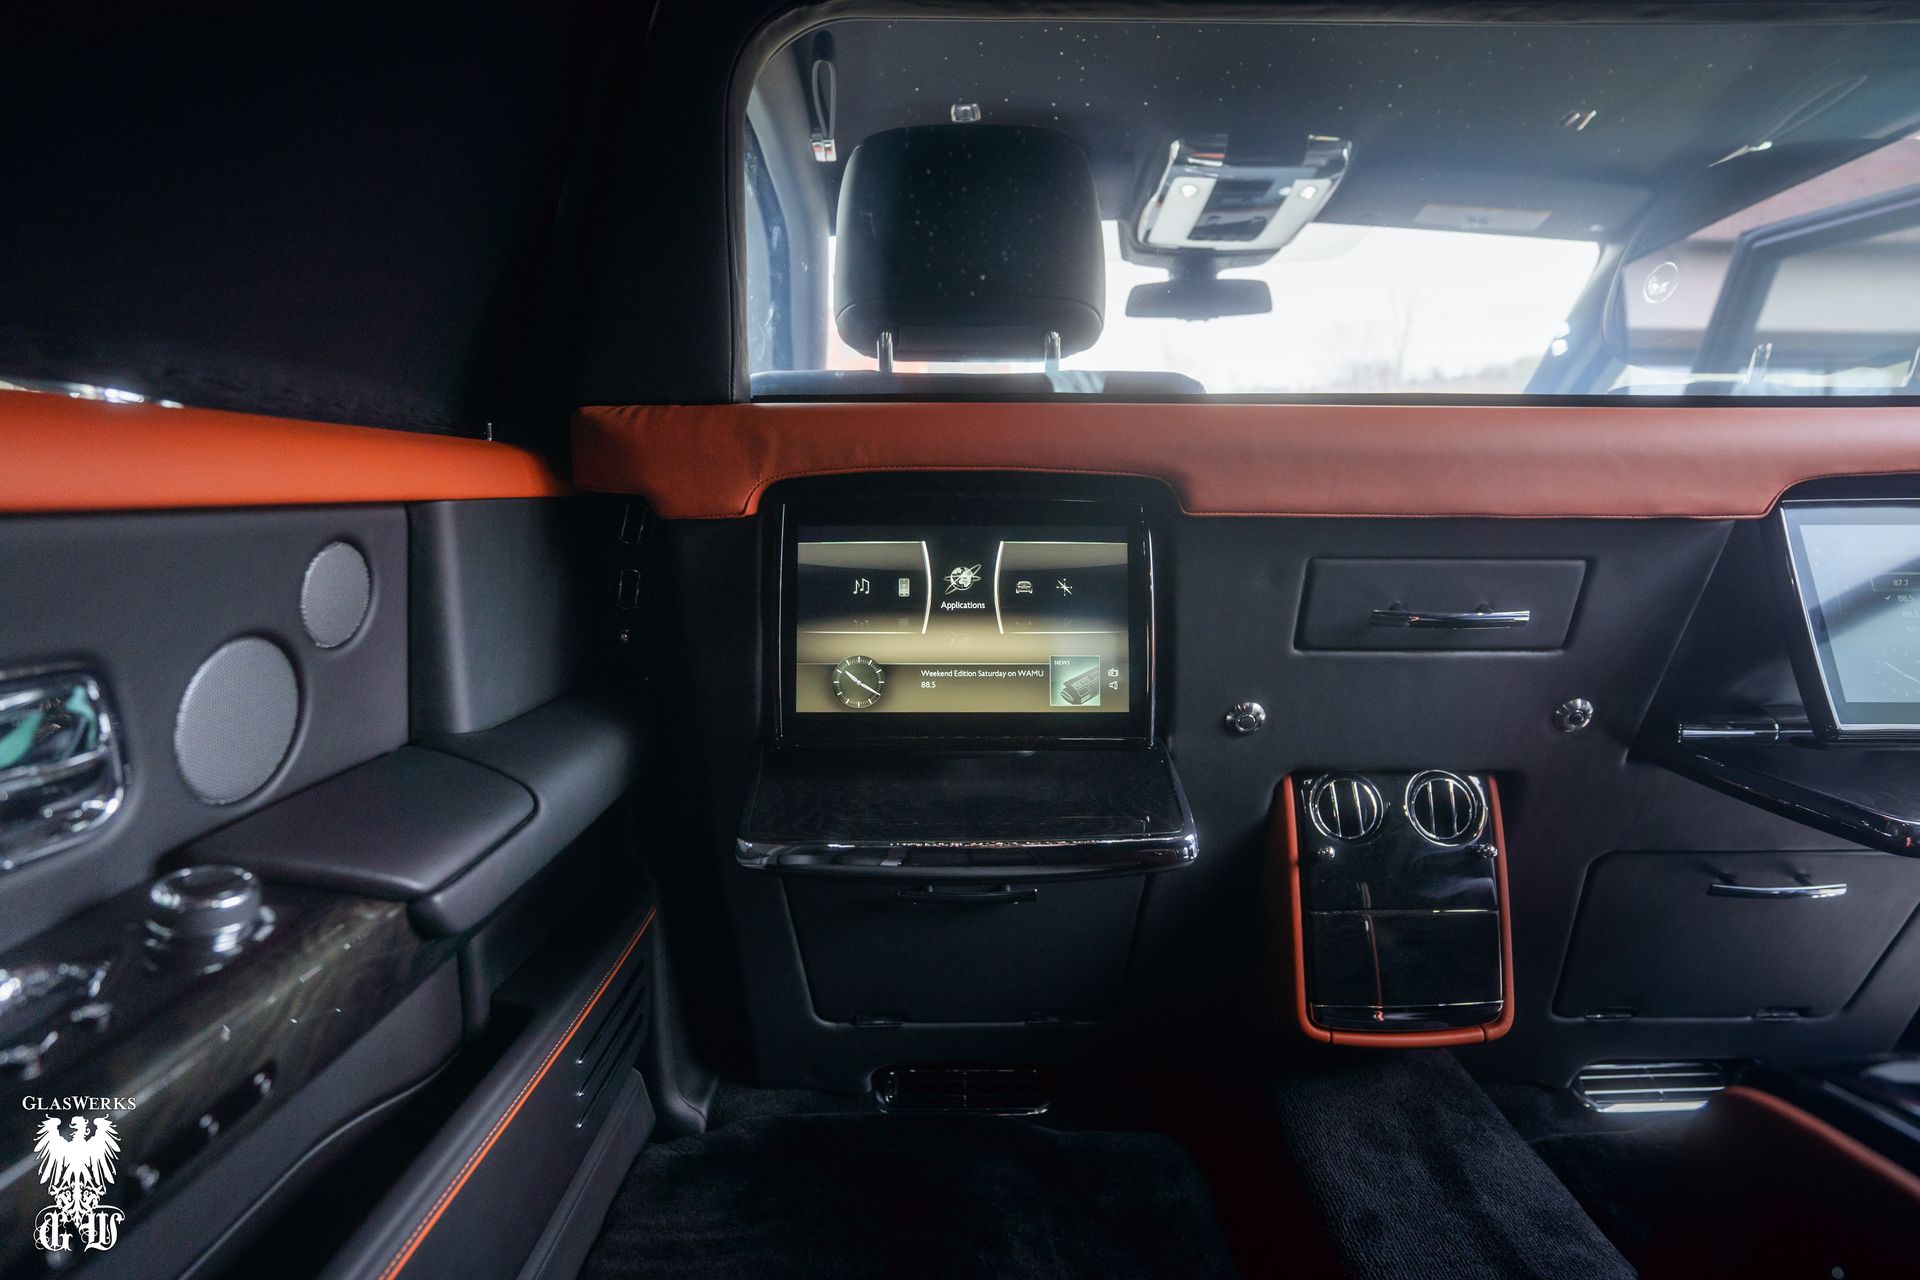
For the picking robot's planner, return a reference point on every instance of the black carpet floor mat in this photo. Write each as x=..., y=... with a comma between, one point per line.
x=1617, y=1166
x=1419, y=1177
x=933, y=1198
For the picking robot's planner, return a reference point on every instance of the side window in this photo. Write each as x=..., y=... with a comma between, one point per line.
x=1807, y=292
x=769, y=341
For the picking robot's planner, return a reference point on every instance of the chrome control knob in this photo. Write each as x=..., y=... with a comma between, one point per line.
x=211, y=908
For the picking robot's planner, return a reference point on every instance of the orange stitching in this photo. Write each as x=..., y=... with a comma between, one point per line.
x=453, y=1188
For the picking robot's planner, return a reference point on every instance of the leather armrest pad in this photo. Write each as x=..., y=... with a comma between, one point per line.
x=577, y=755
x=453, y=825
x=397, y=827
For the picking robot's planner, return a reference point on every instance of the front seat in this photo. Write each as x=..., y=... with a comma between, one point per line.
x=969, y=242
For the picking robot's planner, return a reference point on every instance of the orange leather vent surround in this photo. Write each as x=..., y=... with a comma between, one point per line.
x=713, y=462
x=62, y=454
x=1284, y=837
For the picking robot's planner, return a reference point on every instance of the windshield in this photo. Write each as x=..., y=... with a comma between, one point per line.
x=1327, y=209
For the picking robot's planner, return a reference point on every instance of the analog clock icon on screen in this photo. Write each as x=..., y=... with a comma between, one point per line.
x=858, y=682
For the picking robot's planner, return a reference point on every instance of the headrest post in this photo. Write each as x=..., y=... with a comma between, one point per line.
x=1052, y=352
x=883, y=351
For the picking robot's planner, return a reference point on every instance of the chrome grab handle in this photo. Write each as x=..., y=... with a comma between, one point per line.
x=1777, y=890
x=1480, y=620
x=61, y=774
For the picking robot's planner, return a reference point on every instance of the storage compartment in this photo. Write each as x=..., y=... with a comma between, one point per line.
x=1404, y=960
x=1672, y=935
x=1356, y=604
x=878, y=951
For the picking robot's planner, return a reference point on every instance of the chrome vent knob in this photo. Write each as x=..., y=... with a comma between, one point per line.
x=1345, y=806
x=1446, y=808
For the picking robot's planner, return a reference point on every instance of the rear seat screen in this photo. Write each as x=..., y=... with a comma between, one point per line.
x=962, y=620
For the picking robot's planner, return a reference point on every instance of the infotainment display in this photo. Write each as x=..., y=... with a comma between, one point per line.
x=1856, y=570
x=1021, y=628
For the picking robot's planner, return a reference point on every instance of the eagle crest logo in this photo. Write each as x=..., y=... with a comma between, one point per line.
x=77, y=1170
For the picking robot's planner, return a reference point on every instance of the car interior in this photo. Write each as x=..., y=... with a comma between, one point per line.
x=899, y=639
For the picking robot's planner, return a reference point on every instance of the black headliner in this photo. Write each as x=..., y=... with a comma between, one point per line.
x=1437, y=112
x=445, y=215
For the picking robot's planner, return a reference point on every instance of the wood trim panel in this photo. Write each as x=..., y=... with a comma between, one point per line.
x=1606, y=461
x=58, y=453
x=1286, y=837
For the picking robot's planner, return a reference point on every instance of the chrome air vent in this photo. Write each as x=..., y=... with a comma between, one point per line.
x=1629, y=1087
x=997, y=1091
x=1445, y=807
x=1345, y=806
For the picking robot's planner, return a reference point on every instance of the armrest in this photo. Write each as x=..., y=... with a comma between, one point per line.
x=397, y=827
x=577, y=755
x=453, y=825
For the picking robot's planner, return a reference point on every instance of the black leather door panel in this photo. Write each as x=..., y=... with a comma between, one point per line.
x=143, y=600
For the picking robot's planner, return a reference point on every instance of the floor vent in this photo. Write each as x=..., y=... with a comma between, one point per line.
x=996, y=1091
x=1631, y=1087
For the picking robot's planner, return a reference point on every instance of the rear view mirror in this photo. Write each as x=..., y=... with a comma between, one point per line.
x=1199, y=298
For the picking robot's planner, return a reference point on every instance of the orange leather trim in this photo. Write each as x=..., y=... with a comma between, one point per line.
x=1801, y=1138
x=1285, y=828
x=62, y=454
x=446, y=1197
x=711, y=462
x=1289, y=841
x=1761, y=1188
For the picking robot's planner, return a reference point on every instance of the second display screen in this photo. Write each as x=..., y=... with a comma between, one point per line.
x=961, y=620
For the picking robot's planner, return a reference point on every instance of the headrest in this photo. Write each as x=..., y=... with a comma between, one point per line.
x=969, y=240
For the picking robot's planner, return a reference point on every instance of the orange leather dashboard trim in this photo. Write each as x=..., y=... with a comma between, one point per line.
x=715, y=461
x=1287, y=836
x=58, y=453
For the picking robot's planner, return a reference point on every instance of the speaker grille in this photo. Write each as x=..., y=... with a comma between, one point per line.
x=335, y=594
x=236, y=720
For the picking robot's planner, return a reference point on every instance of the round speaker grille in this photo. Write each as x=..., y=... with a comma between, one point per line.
x=335, y=594
x=236, y=720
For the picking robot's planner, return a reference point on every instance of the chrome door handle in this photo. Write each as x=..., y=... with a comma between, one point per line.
x=1481, y=620
x=1777, y=890
x=61, y=774
x=962, y=896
